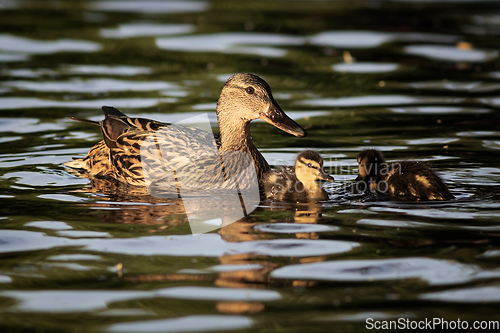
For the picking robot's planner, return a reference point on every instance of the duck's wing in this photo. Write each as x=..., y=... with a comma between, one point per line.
x=141, y=157
x=286, y=173
x=141, y=123
x=278, y=182
x=416, y=179
x=125, y=139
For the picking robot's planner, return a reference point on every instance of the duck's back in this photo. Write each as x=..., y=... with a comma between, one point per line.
x=414, y=179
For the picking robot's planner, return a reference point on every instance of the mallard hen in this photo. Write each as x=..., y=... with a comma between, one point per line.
x=413, y=180
x=298, y=183
x=133, y=152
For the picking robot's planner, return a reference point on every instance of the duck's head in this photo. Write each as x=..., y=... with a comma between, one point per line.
x=248, y=97
x=309, y=167
x=369, y=164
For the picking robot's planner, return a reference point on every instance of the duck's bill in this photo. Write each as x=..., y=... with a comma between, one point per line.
x=279, y=119
x=326, y=177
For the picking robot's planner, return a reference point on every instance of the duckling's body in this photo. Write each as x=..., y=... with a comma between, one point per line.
x=410, y=179
x=297, y=184
x=137, y=151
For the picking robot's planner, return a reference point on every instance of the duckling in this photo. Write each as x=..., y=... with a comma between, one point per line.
x=410, y=179
x=297, y=184
x=244, y=97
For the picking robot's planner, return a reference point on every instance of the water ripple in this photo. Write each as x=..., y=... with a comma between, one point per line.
x=106, y=70
x=12, y=103
x=467, y=295
x=42, y=179
x=27, y=125
x=213, y=246
x=61, y=301
x=92, y=300
x=439, y=110
x=75, y=257
x=371, y=39
x=90, y=86
x=236, y=42
x=207, y=245
x=471, y=87
x=21, y=240
x=432, y=271
x=12, y=57
x=51, y=225
x=194, y=323
x=451, y=53
x=289, y=228
x=365, y=67
x=378, y=100
x=129, y=30
x=219, y=294
x=12, y=43
x=149, y=6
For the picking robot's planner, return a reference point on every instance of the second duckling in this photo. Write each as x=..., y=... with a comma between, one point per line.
x=297, y=184
x=410, y=179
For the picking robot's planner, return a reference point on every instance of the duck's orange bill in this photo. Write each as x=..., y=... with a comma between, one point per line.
x=278, y=118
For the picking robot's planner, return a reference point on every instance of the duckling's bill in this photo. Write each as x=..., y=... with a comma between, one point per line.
x=324, y=176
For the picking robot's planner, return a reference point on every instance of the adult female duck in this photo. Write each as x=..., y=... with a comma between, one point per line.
x=131, y=143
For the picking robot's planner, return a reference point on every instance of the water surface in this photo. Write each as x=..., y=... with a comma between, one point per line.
x=415, y=79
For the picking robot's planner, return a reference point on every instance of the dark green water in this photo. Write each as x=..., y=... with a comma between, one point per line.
x=78, y=257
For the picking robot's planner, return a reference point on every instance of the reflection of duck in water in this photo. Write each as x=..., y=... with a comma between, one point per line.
x=410, y=179
x=297, y=183
x=130, y=144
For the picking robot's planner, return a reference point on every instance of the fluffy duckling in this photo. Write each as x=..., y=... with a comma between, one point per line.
x=410, y=179
x=297, y=184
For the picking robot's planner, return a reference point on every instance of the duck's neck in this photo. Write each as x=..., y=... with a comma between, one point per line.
x=313, y=190
x=235, y=136
x=311, y=185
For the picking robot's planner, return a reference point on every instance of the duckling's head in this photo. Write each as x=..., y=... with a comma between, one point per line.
x=369, y=164
x=246, y=97
x=309, y=167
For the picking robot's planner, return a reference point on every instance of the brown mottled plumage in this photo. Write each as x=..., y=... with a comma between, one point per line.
x=164, y=148
x=297, y=184
x=410, y=179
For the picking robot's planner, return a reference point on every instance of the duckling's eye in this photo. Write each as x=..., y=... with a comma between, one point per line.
x=250, y=90
x=309, y=165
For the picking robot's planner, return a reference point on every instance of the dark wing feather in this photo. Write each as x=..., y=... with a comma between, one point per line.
x=141, y=123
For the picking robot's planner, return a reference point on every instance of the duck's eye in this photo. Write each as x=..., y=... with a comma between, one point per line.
x=250, y=90
x=309, y=165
